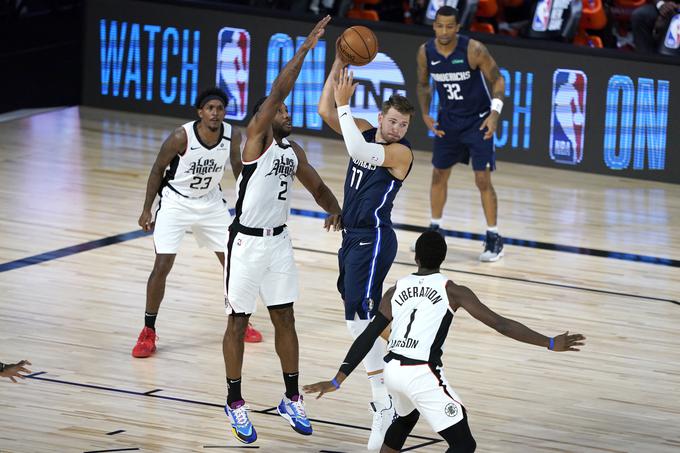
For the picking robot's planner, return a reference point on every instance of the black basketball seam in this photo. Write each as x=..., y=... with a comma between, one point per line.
x=368, y=51
x=354, y=52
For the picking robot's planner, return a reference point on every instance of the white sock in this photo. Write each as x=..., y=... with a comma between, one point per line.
x=437, y=222
x=492, y=229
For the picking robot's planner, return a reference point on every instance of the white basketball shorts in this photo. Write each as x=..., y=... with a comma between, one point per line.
x=207, y=216
x=420, y=387
x=263, y=266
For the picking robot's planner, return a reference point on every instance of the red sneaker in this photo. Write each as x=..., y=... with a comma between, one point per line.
x=252, y=335
x=146, y=343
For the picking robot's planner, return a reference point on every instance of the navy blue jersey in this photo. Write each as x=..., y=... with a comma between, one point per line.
x=369, y=192
x=462, y=91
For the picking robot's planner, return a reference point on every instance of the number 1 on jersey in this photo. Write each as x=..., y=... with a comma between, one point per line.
x=356, y=173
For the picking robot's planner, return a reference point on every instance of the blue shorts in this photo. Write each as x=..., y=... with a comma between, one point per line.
x=365, y=258
x=463, y=140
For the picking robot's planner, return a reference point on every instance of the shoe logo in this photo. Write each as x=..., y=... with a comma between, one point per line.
x=345, y=113
x=365, y=243
x=435, y=63
x=197, y=147
x=481, y=115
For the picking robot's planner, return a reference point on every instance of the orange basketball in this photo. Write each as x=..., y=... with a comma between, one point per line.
x=358, y=45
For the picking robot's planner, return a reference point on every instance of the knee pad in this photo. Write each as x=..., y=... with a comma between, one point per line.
x=399, y=430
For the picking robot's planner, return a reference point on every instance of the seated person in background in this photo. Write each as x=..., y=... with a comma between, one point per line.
x=649, y=23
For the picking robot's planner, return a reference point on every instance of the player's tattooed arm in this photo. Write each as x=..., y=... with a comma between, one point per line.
x=235, y=152
x=482, y=59
x=259, y=126
x=322, y=194
x=175, y=144
x=425, y=92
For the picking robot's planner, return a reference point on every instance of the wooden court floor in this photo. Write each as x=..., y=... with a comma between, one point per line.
x=73, y=273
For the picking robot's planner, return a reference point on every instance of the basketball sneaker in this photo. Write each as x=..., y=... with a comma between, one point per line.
x=383, y=415
x=241, y=427
x=252, y=335
x=493, y=248
x=146, y=343
x=293, y=410
x=432, y=227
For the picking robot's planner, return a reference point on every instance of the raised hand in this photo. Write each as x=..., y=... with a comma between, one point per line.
x=344, y=87
x=566, y=342
x=316, y=33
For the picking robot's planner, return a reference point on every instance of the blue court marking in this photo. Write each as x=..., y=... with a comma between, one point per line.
x=201, y=403
x=72, y=250
x=87, y=246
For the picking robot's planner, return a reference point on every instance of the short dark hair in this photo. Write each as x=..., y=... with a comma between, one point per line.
x=211, y=93
x=400, y=104
x=431, y=250
x=447, y=11
x=258, y=104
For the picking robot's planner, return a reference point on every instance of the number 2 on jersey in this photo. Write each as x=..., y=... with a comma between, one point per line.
x=453, y=91
x=356, y=174
x=282, y=194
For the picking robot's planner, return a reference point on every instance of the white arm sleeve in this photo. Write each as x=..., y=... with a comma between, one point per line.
x=357, y=147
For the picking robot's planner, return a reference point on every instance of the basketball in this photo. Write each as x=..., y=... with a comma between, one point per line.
x=358, y=45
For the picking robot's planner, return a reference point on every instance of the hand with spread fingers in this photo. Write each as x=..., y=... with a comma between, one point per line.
x=14, y=370
x=566, y=342
x=344, y=87
x=321, y=388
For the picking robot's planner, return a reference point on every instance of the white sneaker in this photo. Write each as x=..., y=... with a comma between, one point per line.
x=383, y=414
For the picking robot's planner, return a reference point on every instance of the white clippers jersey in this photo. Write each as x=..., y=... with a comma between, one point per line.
x=264, y=187
x=421, y=317
x=200, y=169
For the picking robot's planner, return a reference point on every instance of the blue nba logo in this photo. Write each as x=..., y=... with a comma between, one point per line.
x=568, y=115
x=672, y=40
x=541, y=20
x=233, y=67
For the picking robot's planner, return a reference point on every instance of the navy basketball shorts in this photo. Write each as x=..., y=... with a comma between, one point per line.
x=364, y=258
x=463, y=141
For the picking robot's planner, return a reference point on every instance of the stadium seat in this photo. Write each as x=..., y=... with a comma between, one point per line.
x=487, y=8
x=358, y=11
x=482, y=27
x=583, y=39
x=593, y=16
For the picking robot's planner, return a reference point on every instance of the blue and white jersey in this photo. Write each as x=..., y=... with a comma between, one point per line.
x=462, y=90
x=369, y=192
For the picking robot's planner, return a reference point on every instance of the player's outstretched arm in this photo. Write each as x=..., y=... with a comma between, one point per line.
x=323, y=196
x=394, y=155
x=235, y=152
x=261, y=122
x=175, y=144
x=425, y=92
x=479, y=57
x=326, y=107
x=461, y=296
x=361, y=346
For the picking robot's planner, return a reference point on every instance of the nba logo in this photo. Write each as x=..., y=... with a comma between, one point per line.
x=672, y=40
x=233, y=67
x=568, y=115
x=542, y=15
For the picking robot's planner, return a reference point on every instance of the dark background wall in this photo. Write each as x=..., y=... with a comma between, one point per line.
x=152, y=57
x=40, y=53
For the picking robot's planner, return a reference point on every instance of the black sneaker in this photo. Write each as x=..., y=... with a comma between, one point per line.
x=493, y=248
